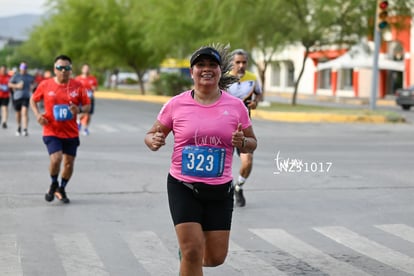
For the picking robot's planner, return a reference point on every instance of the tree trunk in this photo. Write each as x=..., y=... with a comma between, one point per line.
x=140, y=75
x=295, y=91
x=262, y=75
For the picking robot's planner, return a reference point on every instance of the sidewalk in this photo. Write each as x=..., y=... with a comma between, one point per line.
x=300, y=117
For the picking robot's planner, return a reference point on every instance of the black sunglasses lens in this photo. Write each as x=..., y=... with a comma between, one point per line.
x=60, y=67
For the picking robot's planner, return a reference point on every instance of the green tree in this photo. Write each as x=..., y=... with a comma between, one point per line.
x=140, y=34
x=106, y=33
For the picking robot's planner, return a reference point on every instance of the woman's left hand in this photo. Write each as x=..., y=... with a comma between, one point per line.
x=238, y=137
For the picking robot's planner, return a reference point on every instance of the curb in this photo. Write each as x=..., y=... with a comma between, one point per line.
x=300, y=117
x=310, y=117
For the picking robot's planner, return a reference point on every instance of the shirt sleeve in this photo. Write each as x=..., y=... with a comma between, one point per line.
x=165, y=115
x=257, y=88
x=38, y=93
x=244, y=116
x=84, y=99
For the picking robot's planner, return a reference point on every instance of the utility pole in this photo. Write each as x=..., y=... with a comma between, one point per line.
x=380, y=24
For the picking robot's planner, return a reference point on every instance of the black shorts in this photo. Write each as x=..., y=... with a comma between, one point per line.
x=66, y=145
x=4, y=101
x=92, y=110
x=19, y=103
x=92, y=106
x=184, y=207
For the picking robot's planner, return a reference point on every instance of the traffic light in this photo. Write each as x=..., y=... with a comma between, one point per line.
x=382, y=14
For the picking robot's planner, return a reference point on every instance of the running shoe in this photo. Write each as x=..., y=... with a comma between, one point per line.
x=86, y=132
x=50, y=195
x=19, y=132
x=25, y=132
x=61, y=195
x=240, y=200
x=4, y=125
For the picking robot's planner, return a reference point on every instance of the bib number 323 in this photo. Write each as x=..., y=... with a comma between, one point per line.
x=203, y=161
x=61, y=112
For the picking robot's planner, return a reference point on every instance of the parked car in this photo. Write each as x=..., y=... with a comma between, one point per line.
x=405, y=97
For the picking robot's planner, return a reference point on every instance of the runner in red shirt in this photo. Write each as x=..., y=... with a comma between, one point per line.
x=4, y=95
x=91, y=84
x=63, y=99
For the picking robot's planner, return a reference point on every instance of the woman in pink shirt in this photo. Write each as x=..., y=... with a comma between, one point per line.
x=207, y=124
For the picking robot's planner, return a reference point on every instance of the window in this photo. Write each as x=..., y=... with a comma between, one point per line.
x=324, y=79
x=275, y=74
x=346, y=79
x=290, y=77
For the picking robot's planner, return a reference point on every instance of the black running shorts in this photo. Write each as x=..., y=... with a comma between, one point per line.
x=68, y=146
x=18, y=104
x=184, y=207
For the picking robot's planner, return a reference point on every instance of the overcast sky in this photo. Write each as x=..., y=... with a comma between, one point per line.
x=14, y=7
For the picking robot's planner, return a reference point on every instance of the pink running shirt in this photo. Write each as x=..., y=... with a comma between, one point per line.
x=194, y=124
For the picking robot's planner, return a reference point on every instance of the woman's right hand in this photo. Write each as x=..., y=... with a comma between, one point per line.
x=158, y=139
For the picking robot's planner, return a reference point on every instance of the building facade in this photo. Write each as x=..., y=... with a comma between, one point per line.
x=346, y=72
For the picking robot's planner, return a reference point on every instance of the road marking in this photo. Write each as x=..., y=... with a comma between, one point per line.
x=368, y=248
x=78, y=255
x=10, y=260
x=400, y=230
x=106, y=128
x=129, y=127
x=150, y=252
x=307, y=253
x=247, y=263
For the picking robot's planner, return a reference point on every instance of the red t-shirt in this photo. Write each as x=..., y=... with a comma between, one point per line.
x=4, y=87
x=54, y=95
x=89, y=82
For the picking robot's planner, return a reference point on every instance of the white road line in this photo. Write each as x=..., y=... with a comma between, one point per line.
x=247, y=263
x=368, y=248
x=129, y=127
x=307, y=253
x=150, y=252
x=10, y=261
x=78, y=255
x=106, y=128
x=400, y=230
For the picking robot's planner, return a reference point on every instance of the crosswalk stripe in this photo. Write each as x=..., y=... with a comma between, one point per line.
x=307, y=253
x=78, y=255
x=247, y=263
x=368, y=248
x=151, y=253
x=400, y=230
x=10, y=262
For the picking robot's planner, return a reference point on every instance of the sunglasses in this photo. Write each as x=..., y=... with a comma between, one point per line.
x=61, y=67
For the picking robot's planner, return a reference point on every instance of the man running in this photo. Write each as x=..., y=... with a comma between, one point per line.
x=64, y=98
x=21, y=83
x=248, y=90
x=4, y=95
x=91, y=84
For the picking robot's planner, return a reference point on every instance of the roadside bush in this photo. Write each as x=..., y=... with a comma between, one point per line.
x=171, y=84
x=130, y=81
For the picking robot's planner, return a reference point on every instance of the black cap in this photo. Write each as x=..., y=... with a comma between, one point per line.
x=207, y=51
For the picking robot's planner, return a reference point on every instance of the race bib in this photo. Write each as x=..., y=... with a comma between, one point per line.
x=4, y=88
x=203, y=161
x=61, y=112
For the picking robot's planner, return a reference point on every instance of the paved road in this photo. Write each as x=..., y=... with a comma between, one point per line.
x=324, y=199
